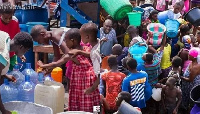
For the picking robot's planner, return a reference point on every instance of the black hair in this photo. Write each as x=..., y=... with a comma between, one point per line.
x=131, y=28
x=152, y=13
x=117, y=49
x=6, y=8
x=124, y=60
x=131, y=63
x=74, y=34
x=36, y=30
x=185, y=28
x=24, y=39
x=126, y=96
x=172, y=80
x=176, y=61
x=149, y=57
x=112, y=61
x=178, y=4
x=90, y=28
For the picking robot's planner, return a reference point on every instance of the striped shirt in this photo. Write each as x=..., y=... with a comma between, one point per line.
x=153, y=70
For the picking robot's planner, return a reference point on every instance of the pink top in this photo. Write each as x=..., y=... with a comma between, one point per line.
x=161, y=5
x=87, y=47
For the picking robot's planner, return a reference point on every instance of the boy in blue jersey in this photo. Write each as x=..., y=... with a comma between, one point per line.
x=136, y=83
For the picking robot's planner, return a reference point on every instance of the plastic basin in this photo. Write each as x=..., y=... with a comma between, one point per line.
x=27, y=108
x=157, y=30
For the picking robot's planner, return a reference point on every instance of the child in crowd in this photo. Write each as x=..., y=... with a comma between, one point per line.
x=166, y=61
x=119, y=53
x=56, y=37
x=183, y=53
x=161, y=5
x=134, y=35
x=153, y=16
x=113, y=80
x=89, y=33
x=176, y=70
x=125, y=68
x=82, y=76
x=177, y=9
x=170, y=93
x=10, y=26
x=20, y=44
x=122, y=101
x=136, y=83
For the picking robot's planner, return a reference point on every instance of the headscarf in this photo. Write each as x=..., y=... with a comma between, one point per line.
x=186, y=41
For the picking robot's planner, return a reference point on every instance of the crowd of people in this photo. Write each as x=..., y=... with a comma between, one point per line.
x=102, y=71
x=171, y=66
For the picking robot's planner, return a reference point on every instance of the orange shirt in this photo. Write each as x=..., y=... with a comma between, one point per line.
x=113, y=86
x=104, y=64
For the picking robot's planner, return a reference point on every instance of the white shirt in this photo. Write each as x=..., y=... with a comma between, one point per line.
x=96, y=58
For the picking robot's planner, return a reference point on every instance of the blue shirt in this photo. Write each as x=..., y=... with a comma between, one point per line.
x=139, y=88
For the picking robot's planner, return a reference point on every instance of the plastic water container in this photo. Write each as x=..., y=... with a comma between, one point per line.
x=117, y=9
x=50, y=94
x=8, y=92
x=40, y=77
x=18, y=75
x=137, y=51
x=29, y=71
x=157, y=30
x=172, y=27
x=48, y=78
x=26, y=90
x=163, y=16
x=57, y=74
x=135, y=18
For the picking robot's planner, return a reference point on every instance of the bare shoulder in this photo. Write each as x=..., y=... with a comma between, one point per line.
x=178, y=90
x=57, y=31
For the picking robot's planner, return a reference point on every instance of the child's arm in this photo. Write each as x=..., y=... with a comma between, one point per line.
x=105, y=103
x=163, y=98
x=179, y=96
x=76, y=52
x=58, y=63
x=93, y=87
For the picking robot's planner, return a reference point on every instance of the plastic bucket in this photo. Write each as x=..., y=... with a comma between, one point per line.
x=172, y=27
x=137, y=52
x=30, y=25
x=163, y=16
x=194, y=95
x=157, y=30
x=27, y=108
x=117, y=9
x=193, y=16
x=135, y=18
